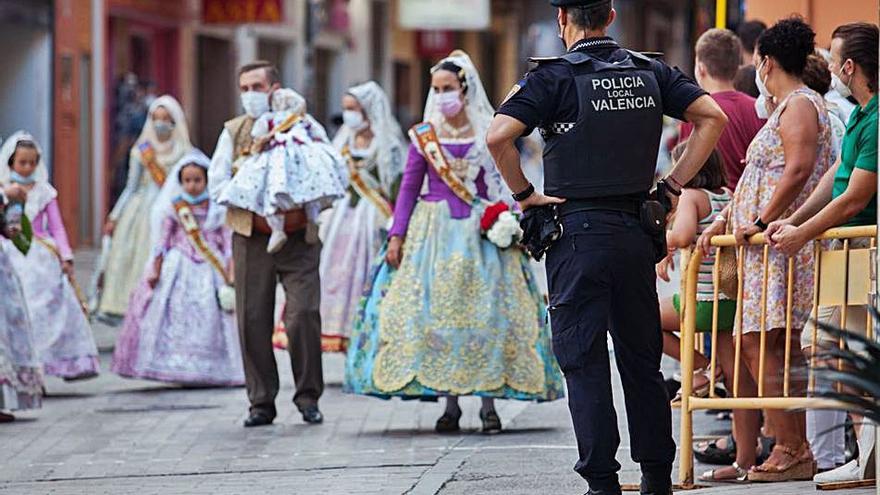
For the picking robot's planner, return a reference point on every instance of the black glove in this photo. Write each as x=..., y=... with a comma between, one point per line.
x=541, y=228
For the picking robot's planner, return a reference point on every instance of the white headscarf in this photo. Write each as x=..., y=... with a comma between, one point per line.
x=169, y=152
x=390, y=149
x=480, y=114
x=172, y=190
x=42, y=192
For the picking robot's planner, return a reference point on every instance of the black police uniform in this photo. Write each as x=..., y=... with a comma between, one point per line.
x=600, y=110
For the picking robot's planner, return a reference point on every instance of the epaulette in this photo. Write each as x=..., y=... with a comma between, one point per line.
x=654, y=55
x=539, y=60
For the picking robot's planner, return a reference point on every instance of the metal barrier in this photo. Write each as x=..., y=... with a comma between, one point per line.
x=841, y=278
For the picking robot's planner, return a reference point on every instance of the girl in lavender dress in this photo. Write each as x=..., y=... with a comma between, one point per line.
x=20, y=380
x=62, y=334
x=450, y=312
x=176, y=330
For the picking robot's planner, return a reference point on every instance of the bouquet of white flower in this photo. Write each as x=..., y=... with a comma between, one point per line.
x=501, y=226
x=226, y=298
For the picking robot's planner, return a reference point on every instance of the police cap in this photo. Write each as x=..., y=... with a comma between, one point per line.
x=578, y=3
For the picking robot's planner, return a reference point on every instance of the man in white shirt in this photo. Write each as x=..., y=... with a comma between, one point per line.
x=257, y=272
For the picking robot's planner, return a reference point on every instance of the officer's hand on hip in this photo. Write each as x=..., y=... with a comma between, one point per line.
x=538, y=199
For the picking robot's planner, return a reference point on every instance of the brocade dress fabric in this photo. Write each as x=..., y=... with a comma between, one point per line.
x=459, y=316
x=177, y=332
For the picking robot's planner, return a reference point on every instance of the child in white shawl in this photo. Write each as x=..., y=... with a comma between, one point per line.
x=292, y=165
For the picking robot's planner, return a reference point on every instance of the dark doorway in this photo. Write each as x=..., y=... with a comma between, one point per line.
x=215, y=91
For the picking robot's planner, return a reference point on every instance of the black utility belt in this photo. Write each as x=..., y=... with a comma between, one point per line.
x=629, y=205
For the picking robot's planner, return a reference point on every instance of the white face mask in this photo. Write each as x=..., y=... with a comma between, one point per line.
x=761, y=108
x=762, y=88
x=255, y=103
x=354, y=120
x=839, y=86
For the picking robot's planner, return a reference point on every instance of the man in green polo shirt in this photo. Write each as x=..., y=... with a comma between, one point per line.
x=847, y=196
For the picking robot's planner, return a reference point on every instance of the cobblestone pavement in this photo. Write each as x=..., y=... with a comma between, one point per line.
x=115, y=436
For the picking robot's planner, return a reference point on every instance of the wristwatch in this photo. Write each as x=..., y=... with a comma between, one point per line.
x=525, y=193
x=760, y=224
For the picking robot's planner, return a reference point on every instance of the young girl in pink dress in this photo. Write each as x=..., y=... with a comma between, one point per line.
x=175, y=329
x=62, y=335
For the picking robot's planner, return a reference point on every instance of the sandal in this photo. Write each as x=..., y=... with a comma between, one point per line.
x=712, y=454
x=742, y=475
x=702, y=390
x=799, y=466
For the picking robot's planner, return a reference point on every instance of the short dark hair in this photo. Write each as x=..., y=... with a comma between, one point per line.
x=789, y=41
x=180, y=172
x=816, y=74
x=272, y=73
x=593, y=17
x=719, y=50
x=711, y=176
x=23, y=144
x=749, y=32
x=744, y=81
x=860, y=45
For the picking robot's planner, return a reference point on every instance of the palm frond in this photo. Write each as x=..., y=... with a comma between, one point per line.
x=856, y=368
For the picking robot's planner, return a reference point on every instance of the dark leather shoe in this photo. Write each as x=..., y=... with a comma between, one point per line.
x=257, y=419
x=602, y=492
x=448, y=423
x=491, y=422
x=312, y=415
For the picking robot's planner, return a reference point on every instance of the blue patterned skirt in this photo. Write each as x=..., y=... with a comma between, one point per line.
x=459, y=317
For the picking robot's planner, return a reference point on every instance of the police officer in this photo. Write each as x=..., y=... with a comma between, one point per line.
x=600, y=108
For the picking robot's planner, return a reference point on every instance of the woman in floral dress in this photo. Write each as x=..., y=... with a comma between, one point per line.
x=785, y=163
x=449, y=312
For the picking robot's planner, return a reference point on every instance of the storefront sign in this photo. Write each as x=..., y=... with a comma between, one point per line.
x=448, y=14
x=432, y=44
x=241, y=11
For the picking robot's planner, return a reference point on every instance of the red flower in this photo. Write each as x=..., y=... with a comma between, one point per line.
x=490, y=216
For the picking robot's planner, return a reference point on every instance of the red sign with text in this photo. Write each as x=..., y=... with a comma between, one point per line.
x=432, y=44
x=241, y=11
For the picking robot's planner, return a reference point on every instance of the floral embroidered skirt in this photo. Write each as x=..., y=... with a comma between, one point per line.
x=459, y=317
x=177, y=332
x=354, y=236
x=62, y=334
x=21, y=382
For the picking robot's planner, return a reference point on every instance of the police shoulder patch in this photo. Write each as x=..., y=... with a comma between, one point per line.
x=514, y=90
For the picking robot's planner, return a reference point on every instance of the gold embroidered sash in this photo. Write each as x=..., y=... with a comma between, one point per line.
x=148, y=158
x=364, y=190
x=194, y=233
x=425, y=137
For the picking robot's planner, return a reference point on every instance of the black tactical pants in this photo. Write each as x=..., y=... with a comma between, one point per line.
x=601, y=278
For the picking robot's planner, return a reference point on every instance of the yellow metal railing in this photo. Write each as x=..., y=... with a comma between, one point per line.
x=841, y=278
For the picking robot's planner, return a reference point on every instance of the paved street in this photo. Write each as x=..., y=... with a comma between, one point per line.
x=116, y=436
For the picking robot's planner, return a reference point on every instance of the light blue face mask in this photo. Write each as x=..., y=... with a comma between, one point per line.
x=20, y=179
x=194, y=200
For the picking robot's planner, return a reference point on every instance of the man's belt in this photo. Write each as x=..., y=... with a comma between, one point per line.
x=622, y=204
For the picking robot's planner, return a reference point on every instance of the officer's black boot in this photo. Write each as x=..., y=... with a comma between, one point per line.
x=656, y=485
x=604, y=486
